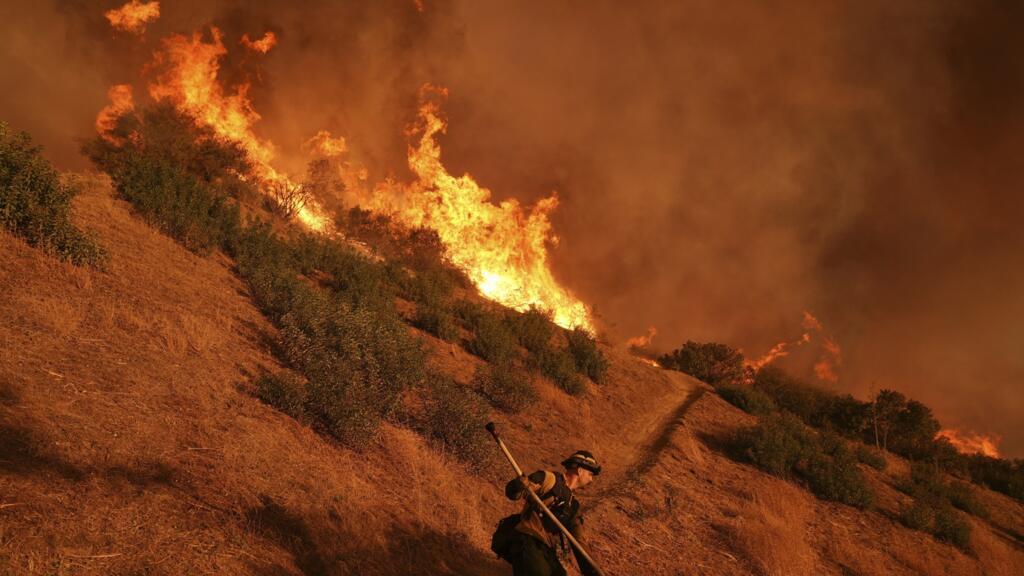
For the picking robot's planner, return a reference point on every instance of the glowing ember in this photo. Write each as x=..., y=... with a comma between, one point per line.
x=263, y=45
x=971, y=443
x=501, y=247
x=133, y=16
x=189, y=80
x=120, y=103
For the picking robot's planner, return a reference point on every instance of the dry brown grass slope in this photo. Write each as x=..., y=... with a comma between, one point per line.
x=130, y=443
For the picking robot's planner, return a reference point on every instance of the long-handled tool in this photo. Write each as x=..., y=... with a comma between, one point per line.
x=540, y=503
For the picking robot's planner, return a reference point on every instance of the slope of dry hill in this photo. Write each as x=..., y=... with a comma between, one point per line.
x=131, y=443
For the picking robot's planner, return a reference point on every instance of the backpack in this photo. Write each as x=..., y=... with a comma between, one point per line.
x=505, y=540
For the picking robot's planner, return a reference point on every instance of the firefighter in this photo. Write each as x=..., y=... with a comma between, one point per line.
x=535, y=552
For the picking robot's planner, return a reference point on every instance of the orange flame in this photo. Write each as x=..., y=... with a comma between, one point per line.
x=777, y=351
x=825, y=369
x=263, y=45
x=501, y=247
x=642, y=341
x=120, y=103
x=324, y=144
x=971, y=443
x=190, y=82
x=133, y=16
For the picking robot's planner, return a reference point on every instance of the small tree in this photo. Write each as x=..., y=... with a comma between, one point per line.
x=711, y=362
x=289, y=198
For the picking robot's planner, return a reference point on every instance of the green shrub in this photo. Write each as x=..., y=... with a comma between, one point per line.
x=835, y=476
x=178, y=176
x=437, y=322
x=358, y=363
x=871, y=457
x=950, y=527
x=559, y=366
x=468, y=313
x=710, y=362
x=778, y=444
x=36, y=205
x=357, y=359
x=748, y=399
x=533, y=329
x=285, y=391
x=492, y=340
x=508, y=387
x=588, y=357
x=997, y=474
x=455, y=417
x=918, y=516
x=962, y=496
x=431, y=287
x=931, y=509
x=782, y=445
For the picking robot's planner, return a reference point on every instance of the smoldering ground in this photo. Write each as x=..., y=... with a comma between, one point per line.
x=721, y=167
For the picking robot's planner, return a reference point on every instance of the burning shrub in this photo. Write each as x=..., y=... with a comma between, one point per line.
x=587, y=356
x=750, y=400
x=36, y=205
x=712, y=363
x=782, y=445
x=508, y=387
x=287, y=198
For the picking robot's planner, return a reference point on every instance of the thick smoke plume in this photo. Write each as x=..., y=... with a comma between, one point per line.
x=721, y=167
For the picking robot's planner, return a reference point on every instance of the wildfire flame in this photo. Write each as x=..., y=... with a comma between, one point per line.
x=971, y=443
x=501, y=247
x=189, y=81
x=263, y=45
x=644, y=340
x=120, y=103
x=324, y=144
x=133, y=16
x=825, y=369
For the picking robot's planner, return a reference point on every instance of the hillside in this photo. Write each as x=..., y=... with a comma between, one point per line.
x=131, y=442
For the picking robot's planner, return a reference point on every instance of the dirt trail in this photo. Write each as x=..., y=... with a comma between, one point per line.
x=647, y=453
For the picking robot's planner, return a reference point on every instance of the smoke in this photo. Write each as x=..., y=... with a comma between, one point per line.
x=721, y=168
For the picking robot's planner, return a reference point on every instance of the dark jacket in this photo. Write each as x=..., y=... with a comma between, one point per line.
x=558, y=497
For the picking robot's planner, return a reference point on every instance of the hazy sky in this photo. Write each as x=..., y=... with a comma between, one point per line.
x=722, y=166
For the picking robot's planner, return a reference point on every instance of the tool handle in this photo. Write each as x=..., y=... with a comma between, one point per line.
x=540, y=503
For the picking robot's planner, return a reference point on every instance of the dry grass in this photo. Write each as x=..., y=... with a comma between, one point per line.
x=130, y=444
x=770, y=532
